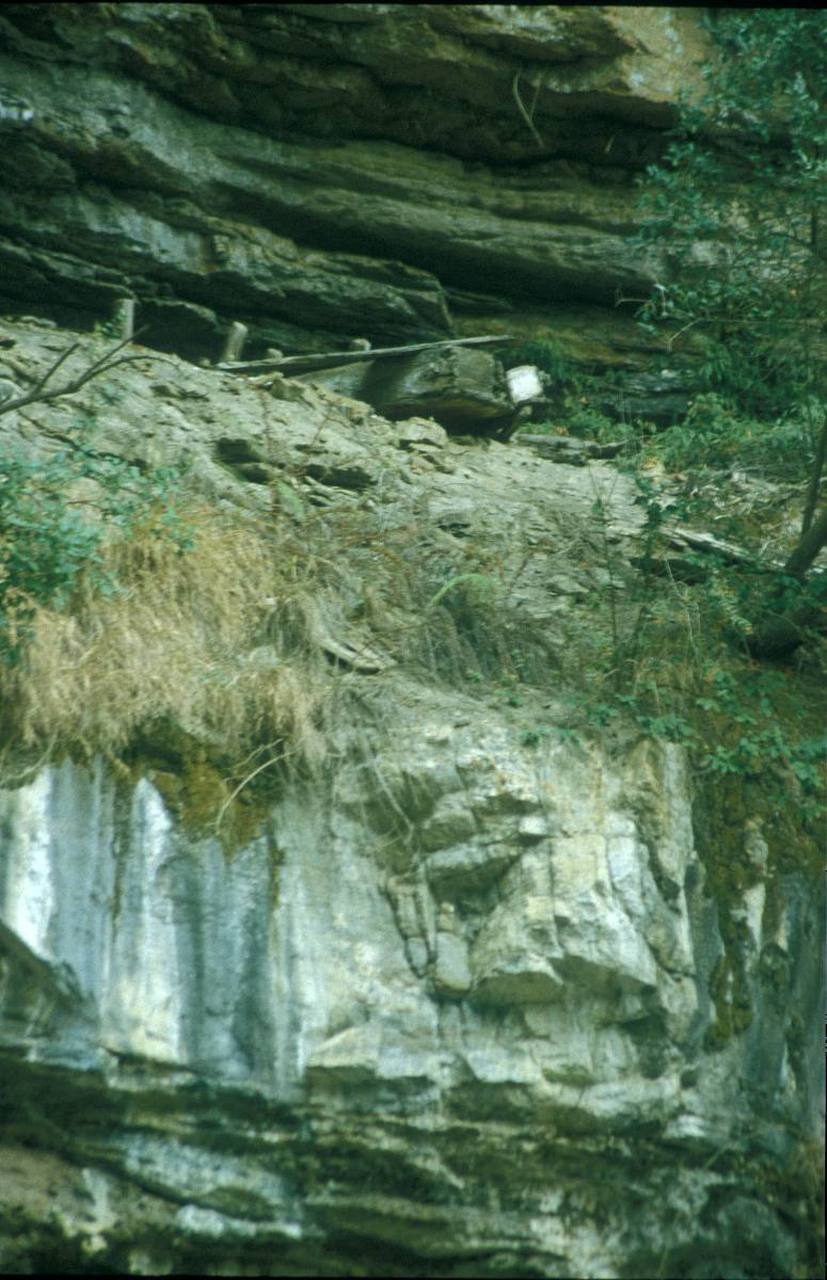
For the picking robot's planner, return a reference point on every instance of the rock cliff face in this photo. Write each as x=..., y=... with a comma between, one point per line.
x=488, y=1058
x=470, y=996
x=329, y=171
x=474, y=998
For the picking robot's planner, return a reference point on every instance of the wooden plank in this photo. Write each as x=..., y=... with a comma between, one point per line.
x=309, y=363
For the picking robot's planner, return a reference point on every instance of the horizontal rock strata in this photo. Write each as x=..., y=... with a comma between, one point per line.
x=322, y=172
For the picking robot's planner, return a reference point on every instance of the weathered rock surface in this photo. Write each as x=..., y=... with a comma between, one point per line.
x=475, y=1002
x=467, y=1005
x=327, y=171
x=460, y=388
x=306, y=1061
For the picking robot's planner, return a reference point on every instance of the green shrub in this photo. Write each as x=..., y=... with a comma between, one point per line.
x=714, y=434
x=55, y=513
x=737, y=207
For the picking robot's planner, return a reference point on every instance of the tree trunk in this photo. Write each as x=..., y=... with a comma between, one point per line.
x=782, y=630
x=808, y=547
x=811, y=501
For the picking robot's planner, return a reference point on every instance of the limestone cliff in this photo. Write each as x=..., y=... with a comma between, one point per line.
x=464, y=993
x=329, y=171
x=327, y=945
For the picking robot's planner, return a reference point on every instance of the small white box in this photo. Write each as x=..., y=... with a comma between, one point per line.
x=524, y=383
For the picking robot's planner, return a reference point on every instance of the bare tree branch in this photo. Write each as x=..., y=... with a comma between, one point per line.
x=110, y=360
x=515, y=89
x=53, y=368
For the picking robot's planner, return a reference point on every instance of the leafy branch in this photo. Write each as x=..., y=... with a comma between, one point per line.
x=737, y=206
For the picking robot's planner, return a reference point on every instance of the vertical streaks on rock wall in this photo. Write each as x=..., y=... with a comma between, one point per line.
x=557, y=1004
x=456, y=989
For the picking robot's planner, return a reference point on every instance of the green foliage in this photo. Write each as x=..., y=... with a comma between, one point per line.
x=55, y=512
x=660, y=659
x=108, y=329
x=577, y=389
x=735, y=721
x=713, y=434
x=737, y=214
x=583, y=420
x=533, y=737
x=737, y=208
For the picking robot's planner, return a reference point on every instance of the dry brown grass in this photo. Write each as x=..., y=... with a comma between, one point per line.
x=172, y=645
x=211, y=670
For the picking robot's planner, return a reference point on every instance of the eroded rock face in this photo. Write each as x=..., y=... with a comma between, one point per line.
x=327, y=171
x=458, y=388
x=468, y=1002
x=450, y=1042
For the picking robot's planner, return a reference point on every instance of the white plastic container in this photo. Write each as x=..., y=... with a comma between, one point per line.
x=524, y=383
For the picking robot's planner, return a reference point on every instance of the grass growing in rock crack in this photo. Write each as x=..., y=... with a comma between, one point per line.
x=169, y=642
x=211, y=651
x=208, y=661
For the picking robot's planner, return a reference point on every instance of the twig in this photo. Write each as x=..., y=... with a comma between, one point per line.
x=54, y=368
x=730, y=319
x=225, y=806
x=103, y=365
x=516, y=91
x=673, y=337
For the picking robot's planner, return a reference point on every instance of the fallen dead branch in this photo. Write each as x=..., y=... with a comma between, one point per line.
x=107, y=362
x=310, y=363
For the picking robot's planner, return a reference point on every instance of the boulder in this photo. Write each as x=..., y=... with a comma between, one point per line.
x=462, y=389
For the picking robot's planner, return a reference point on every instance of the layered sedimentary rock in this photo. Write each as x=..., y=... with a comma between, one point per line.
x=493, y=1052
x=479, y=998
x=335, y=170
